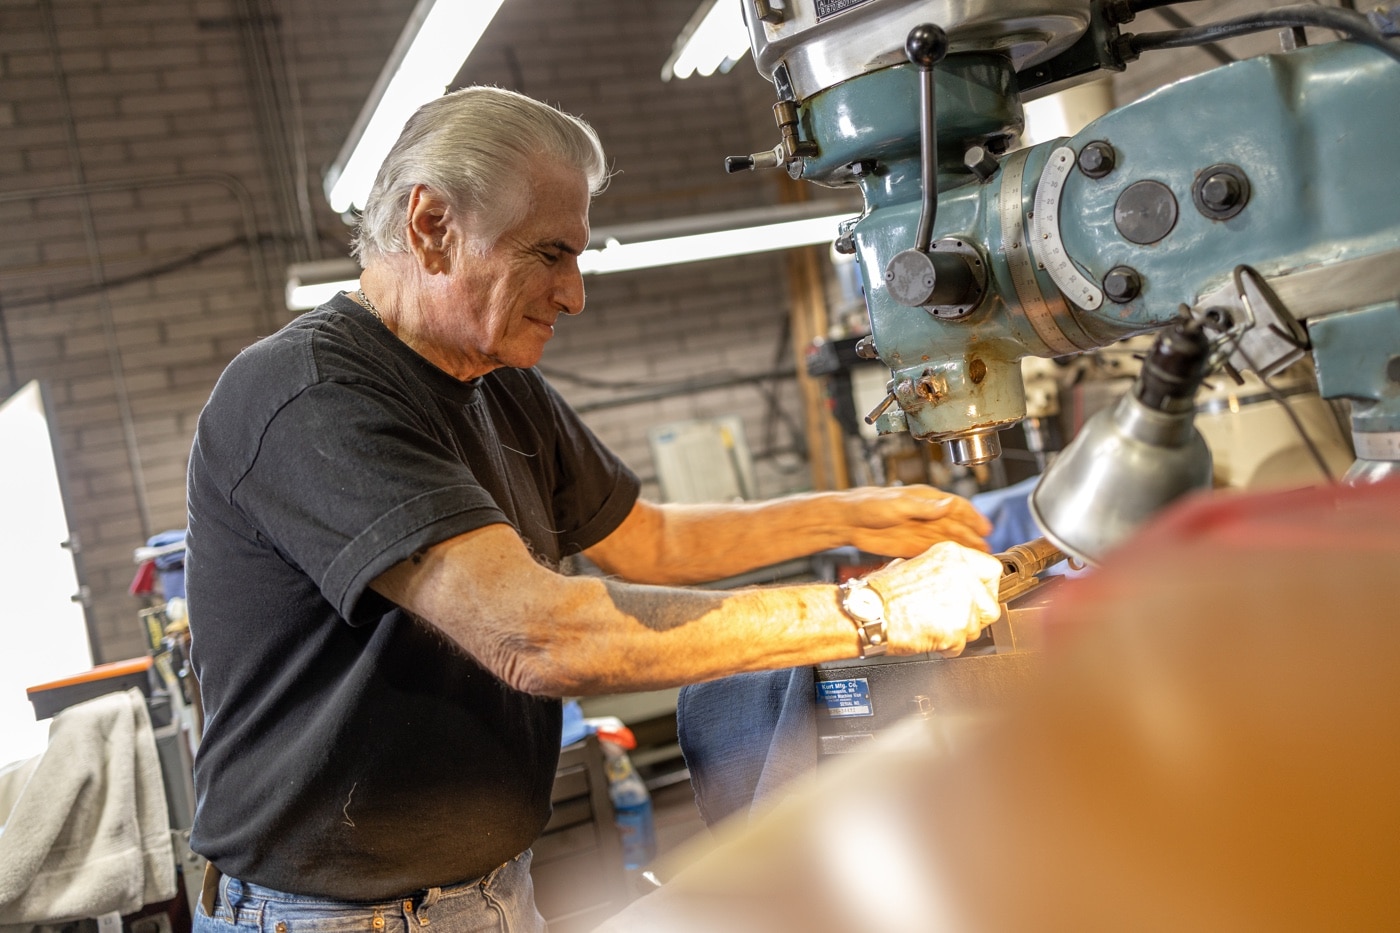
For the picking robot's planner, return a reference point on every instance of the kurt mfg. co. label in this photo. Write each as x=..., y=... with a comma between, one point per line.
x=843, y=698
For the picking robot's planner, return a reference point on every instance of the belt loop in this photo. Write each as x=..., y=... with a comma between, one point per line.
x=430, y=897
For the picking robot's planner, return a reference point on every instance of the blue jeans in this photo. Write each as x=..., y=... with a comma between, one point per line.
x=501, y=902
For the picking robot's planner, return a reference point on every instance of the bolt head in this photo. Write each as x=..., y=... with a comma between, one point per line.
x=1122, y=284
x=1097, y=159
x=1220, y=192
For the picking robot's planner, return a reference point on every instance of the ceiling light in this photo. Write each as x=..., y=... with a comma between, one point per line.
x=642, y=245
x=310, y=284
x=618, y=256
x=431, y=49
x=713, y=40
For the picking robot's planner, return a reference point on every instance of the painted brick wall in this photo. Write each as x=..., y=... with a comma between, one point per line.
x=154, y=184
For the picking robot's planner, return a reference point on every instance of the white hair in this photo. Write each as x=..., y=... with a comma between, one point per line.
x=475, y=147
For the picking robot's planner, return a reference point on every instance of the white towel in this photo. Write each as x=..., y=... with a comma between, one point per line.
x=88, y=832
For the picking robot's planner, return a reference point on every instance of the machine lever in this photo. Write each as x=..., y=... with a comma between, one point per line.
x=879, y=409
x=926, y=276
x=926, y=46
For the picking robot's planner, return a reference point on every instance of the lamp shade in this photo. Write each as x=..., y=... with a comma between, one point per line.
x=1125, y=465
x=1133, y=459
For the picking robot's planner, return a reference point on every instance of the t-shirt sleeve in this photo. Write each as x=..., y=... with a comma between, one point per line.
x=348, y=481
x=595, y=490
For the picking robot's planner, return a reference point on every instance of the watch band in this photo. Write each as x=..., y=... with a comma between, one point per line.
x=866, y=607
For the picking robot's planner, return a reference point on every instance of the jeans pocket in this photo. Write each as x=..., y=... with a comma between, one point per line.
x=291, y=917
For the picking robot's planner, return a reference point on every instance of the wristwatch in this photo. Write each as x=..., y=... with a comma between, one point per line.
x=865, y=606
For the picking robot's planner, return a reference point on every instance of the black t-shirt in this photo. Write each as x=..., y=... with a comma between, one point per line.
x=350, y=750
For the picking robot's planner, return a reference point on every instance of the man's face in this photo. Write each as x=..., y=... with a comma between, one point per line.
x=505, y=302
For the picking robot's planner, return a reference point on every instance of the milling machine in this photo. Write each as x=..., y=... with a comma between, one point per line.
x=1247, y=199
x=1250, y=214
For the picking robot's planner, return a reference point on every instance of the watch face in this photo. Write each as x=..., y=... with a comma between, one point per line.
x=864, y=603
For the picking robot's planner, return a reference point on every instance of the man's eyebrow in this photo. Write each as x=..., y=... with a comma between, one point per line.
x=562, y=247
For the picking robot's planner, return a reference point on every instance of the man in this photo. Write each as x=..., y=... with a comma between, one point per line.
x=379, y=497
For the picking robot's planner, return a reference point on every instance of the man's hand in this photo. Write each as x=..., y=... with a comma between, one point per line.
x=903, y=521
x=940, y=600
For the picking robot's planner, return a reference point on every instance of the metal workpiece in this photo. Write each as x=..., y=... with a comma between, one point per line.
x=1024, y=595
x=1023, y=563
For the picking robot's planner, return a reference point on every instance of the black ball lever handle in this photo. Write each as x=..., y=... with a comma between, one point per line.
x=926, y=45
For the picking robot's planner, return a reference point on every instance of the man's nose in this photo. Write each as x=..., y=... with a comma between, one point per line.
x=568, y=291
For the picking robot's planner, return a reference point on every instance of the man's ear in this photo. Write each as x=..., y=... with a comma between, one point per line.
x=429, y=230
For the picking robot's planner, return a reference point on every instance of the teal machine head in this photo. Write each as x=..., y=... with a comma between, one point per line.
x=1257, y=204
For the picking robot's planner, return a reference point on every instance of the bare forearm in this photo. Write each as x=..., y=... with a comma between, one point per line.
x=677, y=544
x=549, y=634
x=710, y=542
x=618, y=637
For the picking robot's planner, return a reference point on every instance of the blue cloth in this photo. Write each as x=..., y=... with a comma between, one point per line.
x=170, y=567
x=1009, y=511
x=575, y=729
x=503, y=900
x=744, y=737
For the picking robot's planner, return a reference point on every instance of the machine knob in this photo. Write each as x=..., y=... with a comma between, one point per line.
x=917, y=279
x=734, y=164
x=982, y=163
x=926, y=45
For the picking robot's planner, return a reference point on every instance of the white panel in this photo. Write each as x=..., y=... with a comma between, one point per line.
x=43, y=635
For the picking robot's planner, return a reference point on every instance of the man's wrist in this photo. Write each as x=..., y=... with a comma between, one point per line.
x=866, y=608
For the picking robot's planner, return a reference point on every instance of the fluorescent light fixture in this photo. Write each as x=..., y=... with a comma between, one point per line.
x=713, y=40
x=431, y=49
x=618, y=256
x=624, y=248
x=310, y=284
